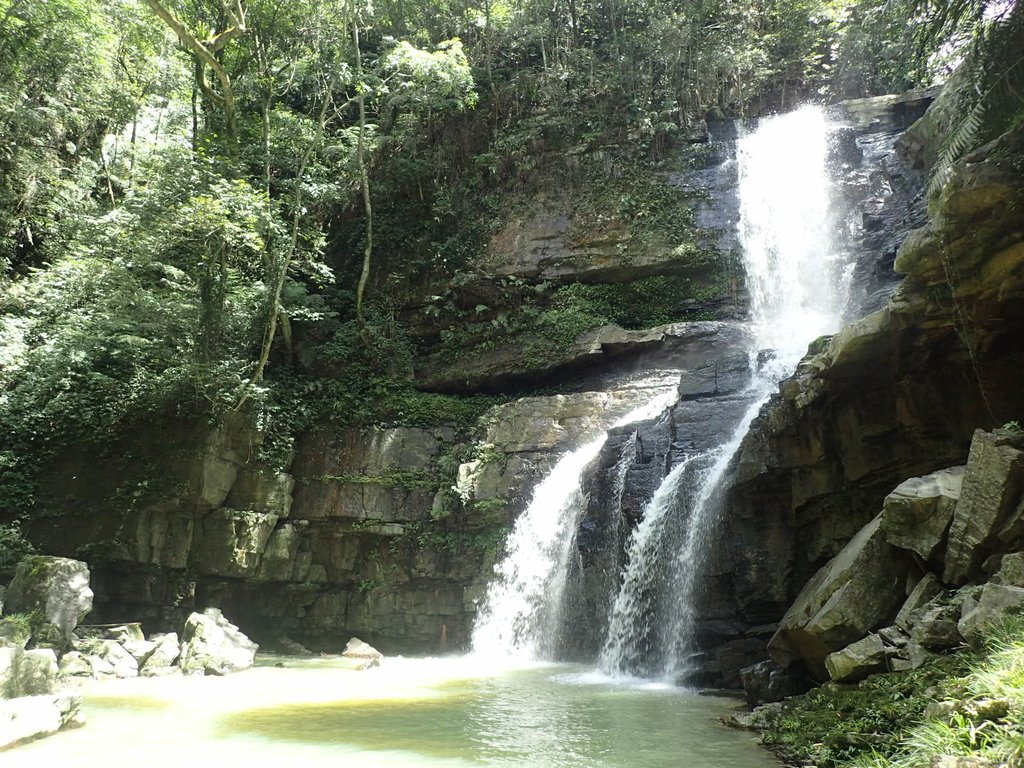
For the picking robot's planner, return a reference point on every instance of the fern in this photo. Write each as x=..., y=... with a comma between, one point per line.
x=990, y=91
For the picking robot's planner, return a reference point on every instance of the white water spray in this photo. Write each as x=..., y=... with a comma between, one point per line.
x=798, y=285
x=519, y=615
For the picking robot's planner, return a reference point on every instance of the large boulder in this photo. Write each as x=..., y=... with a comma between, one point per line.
x=55, y=587
x=917, y=514
x=27, y=673
x=212, y=645
x=857, y=591
x=992, y=487
x=32, y=717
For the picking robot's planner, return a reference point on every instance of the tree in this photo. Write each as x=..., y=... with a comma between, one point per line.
x=206, y=53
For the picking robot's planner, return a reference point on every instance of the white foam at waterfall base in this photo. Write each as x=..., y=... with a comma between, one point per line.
x=799, y=284
x=518, y=617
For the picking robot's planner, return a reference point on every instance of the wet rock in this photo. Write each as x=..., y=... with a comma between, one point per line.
x=212, y=645
x=757, y=719
x=55, y=587
x=857, y=660
x=917, y=514
x=853, y=594
x=766, y=682
x=32, y=717
x=992, y=487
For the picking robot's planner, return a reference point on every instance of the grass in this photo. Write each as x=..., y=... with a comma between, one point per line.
x=977, y=710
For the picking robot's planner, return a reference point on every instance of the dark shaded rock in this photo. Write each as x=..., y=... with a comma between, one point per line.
x=995, y=603
x=765, y=682
x=992, y=488
x=936, y=628
x=926, y=588
x=855, y=593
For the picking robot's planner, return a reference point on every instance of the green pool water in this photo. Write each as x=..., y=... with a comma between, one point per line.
x=452, y=713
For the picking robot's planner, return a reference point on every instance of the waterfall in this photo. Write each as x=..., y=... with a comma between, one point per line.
x=798, y=280
x=519, y=614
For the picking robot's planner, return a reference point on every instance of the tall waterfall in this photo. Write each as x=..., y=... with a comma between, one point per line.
x=799, y=281
x=519, y=616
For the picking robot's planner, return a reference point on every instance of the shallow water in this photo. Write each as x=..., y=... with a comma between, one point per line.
x=437, y=713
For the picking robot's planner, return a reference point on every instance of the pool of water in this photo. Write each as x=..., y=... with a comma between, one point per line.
x=437, y=713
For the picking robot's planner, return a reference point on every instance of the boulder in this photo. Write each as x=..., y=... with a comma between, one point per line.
x=917, y=514
x=926, y=588
x=357, y=649
x=935, y=628
x=991, y=490
x=765, y=682
x=212, y=645
x=8, y=659
x=910, y=656
x=855, y=592
x=32, y=717
x=161, y=660
x=75, y=664
x=108, y=657
x=56, y=587
x=27, y=673
x=1011, y=570
x=36, y=673
x=996, y=602
x=857, y=660
x=757, y=719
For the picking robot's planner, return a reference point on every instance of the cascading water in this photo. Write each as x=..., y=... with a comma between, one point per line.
x=799, y=283
x=519, y=615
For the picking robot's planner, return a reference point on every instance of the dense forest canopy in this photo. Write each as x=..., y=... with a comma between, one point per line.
x=220, y=205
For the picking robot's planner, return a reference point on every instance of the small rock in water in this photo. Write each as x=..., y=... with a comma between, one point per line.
x=212, y=645
x=357, y=649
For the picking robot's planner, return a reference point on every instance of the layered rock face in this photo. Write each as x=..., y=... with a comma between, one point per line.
x=386, y=533
x=894, y=395
x=889, y=599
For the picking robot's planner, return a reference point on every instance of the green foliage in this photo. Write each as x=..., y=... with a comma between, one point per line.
x=835, y=723
x=986, y=95
x=882, y=722
x=14, y=547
